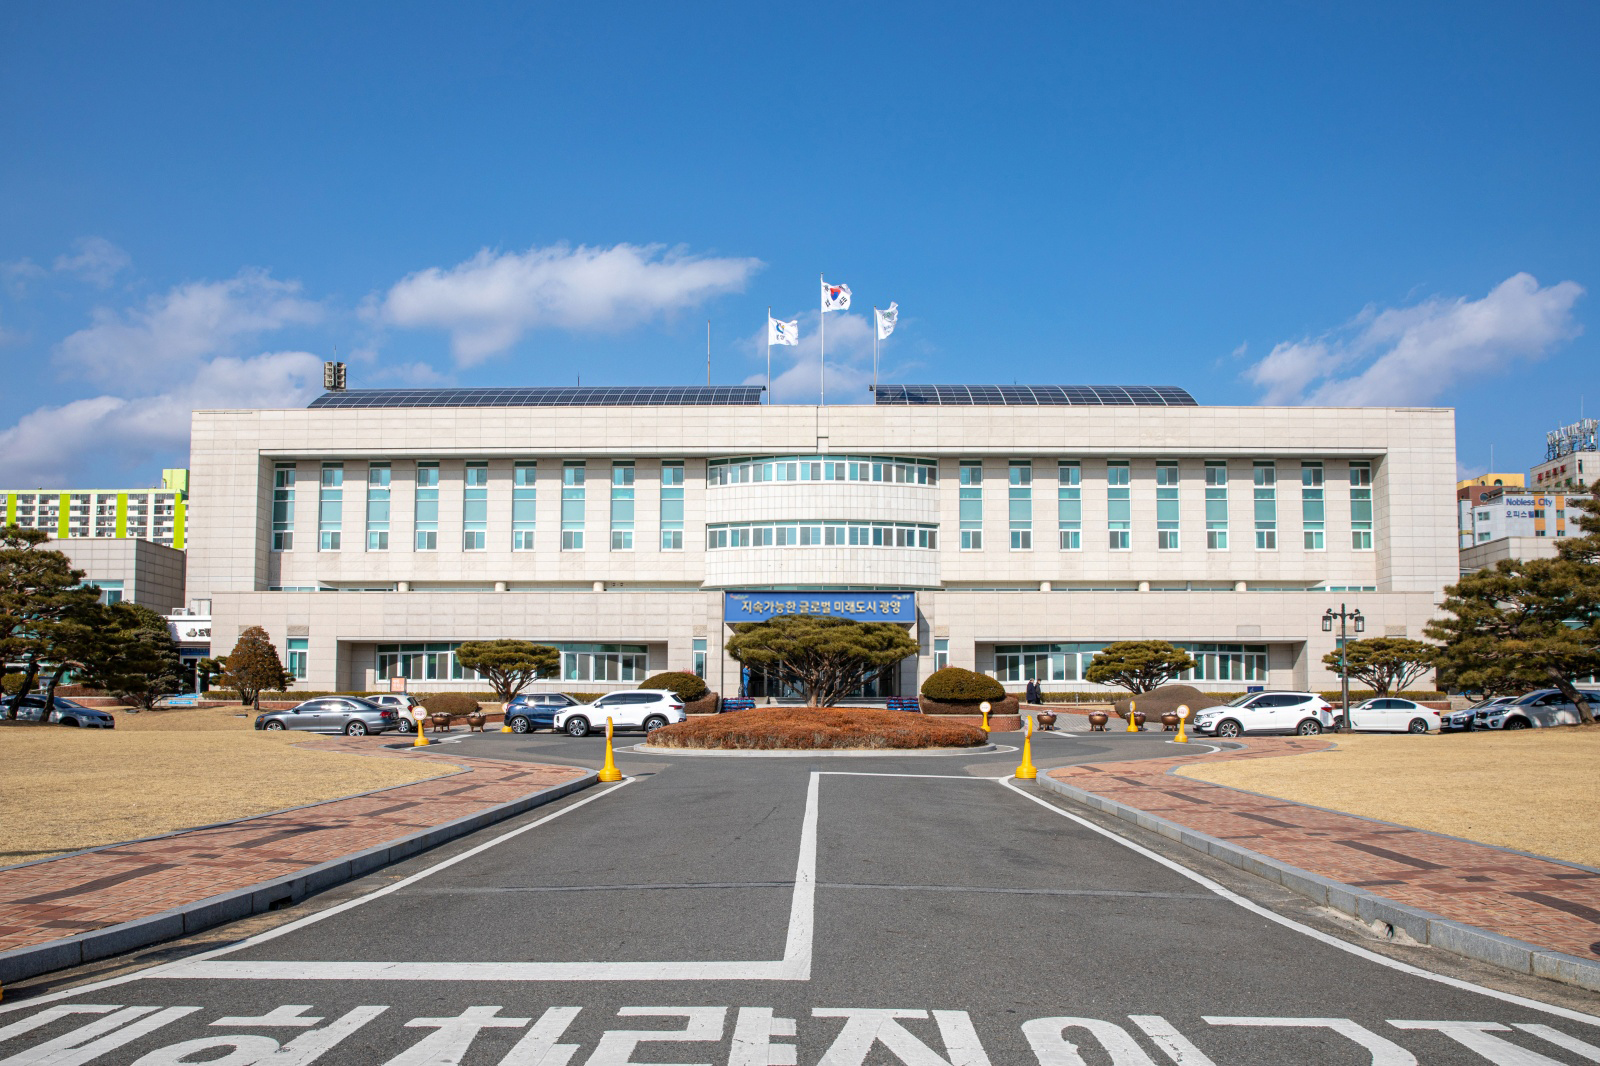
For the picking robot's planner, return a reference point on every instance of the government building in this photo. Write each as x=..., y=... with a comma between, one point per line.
x=1015, y=530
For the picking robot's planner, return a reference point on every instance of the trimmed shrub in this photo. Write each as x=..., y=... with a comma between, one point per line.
x=1008, y=705
x=688, y=687
x=769, y=728
x=455, y=704
x=710, y=703
x=11, y=684
x=1167, y=698
x=954, y=685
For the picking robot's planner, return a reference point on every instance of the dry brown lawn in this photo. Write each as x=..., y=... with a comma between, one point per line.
x=813, y=727
x=1534, y=790
x=66, y=789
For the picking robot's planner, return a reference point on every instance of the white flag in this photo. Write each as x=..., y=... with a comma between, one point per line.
x=782, y=332
x=835, y=297
x=887, y=319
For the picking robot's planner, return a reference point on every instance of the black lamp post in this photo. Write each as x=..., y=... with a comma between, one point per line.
x=1360, y=626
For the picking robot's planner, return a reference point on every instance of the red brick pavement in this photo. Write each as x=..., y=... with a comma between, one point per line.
x=48, y=900
x=1548, y=903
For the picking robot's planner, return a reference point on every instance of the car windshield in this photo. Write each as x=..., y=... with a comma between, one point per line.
x=1239, y=701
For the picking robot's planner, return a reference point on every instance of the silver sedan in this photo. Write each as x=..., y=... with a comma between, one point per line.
x=349, y=715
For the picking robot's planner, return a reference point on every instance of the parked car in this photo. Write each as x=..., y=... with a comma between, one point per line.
x=1390, y=714
x=66, y=712
x=537, y=710
x=350, y=715
x=1305, y=713
x=646, y=708
x=405, y=706
x=1537, y=710
x=1467, y=717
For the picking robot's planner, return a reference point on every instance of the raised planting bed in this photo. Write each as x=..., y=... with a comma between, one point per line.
x=802, y=728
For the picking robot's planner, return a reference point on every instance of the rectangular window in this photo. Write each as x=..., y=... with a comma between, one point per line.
x=330, y=507
x=299, y=649
x=1361, y=506
x=1167, y=506
x=603, y=662
x=622, y=507
x=1069, y=505
x=573, y=475
x=283, y=476
x=1020, y=504
x=1266, y=500
x=1216, y=505
x=377, y=507
x=700, y=657
x=1313, y=507
x=941, y=653
x=427, y=512
x=524, y=503
x=672, y=507
x=971, y=494
x=1119, y=508
x=475, y=507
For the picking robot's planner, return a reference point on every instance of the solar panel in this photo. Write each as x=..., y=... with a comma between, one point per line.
x=611, y=396
x=1034, y=395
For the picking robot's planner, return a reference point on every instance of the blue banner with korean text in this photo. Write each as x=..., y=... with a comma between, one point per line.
x=860, y=606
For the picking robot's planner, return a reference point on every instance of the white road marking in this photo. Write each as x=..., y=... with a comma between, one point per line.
x=538, y=1045
x=1562, y=1040
x=1475, y=1036
x=1048, y=1038
x=45, y=1017
x=70, y=1049
x=1164, y=1036
x=242, y=1051
x=1385, y=1052
x=701, y=1025
x=288, y=1014
x=866, y=1027
x=752, y=1039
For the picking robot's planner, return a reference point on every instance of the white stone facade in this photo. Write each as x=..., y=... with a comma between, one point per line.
x=342, y=605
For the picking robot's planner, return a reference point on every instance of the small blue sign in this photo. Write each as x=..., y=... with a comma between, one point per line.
x=858, y=606
x=1255, y=688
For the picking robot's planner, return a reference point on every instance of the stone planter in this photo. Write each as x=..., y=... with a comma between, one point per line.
x=476, y=721
x=440, y=722
x=1097, y=721
x=1169, y=723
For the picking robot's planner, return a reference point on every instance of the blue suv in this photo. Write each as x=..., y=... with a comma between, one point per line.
x=537, y=710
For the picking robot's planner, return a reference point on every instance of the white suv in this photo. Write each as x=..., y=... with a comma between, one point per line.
x=405, y=706
x=1539, y=709
x=1305, y=713
x=646, y=708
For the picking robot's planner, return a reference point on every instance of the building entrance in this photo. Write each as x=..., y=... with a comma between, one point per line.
x=763, y=684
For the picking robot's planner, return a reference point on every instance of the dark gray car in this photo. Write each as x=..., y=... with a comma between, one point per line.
x=350, y=715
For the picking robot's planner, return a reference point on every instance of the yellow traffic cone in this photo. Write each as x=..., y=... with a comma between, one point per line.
x=1131, y=727
x=609, y=771
x=422, y=740
x=1026, y=771
x=1183, y=716
x=984, y=707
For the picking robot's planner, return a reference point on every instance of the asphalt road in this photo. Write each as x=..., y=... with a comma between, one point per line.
x=812, y=910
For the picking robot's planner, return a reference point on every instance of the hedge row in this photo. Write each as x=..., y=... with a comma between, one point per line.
x=1114, y=695
x=1007, y=705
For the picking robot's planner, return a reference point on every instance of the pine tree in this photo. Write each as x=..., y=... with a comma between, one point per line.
x=45, y=608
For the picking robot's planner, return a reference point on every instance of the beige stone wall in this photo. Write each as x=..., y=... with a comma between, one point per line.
x=151, y=574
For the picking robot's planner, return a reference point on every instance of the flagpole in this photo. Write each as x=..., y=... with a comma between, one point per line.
x=708, y=351
x=769, y=353
x=874, y=348
x=822, y=341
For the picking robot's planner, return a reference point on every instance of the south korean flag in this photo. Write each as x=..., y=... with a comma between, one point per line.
x=835, y=297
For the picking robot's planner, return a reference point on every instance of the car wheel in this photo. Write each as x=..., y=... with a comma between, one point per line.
x=274, y=724
x=520, y=724
x=1516, y=723
x=1417, y=725
x=653, y=723
x=1228, y=728
x=404, y=724
x=1309, y=728
x=577, y=727
x=68, y=721
x=356, y=729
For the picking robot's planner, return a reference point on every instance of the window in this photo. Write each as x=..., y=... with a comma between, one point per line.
x=971, y=495
x=330, y=507
x=622, y=507
x=299, y=649
x=475, y=507
x=1227, y=662
x=283, y=507
x=700, y=657
x=1266, y=500
x=1483, y=537
x=879, y=468
x=1216, y=505
x=422, y=662
x=427, y=513
x=1069, y=504
x=1119, y=509
x=671, y=507
x=573, y=473
x=524, y=503
x=603, y=662
x=1361, y=506
x=1020, y=503
x=795, y=534
x=1167, y=506
x=1312, y=505
x=110, y=591
x=377, y=507
x=941, y=652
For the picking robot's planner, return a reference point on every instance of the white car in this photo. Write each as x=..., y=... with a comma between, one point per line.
x=1305, y=713
x=647, y=708
x=1391, y=714
x=1539, y=709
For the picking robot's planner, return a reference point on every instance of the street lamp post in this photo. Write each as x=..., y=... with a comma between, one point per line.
x=1360, y=625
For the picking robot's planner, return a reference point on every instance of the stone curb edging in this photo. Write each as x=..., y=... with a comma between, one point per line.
x=798, y=753
x=1425, y=927
x=20, y=963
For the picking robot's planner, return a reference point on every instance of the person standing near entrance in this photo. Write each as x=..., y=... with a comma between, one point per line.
x=1034, y=695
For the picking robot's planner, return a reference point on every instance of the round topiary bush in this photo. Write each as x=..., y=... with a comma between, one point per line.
x=956, y=685
x=687, y=686
x=455, y=704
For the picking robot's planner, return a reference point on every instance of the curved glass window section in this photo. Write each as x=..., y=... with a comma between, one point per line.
x=880, y=468
x=822, y=535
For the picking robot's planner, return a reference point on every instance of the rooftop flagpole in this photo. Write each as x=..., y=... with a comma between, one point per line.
x=822, y=340
x=769, y=354
x=874, y=349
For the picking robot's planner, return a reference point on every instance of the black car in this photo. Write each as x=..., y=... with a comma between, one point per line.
x=537, y=710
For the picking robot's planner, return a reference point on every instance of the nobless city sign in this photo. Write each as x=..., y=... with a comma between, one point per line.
x=858, y=606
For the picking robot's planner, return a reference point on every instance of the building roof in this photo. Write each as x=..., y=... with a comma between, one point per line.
x=1035, y=395
x=569, y=396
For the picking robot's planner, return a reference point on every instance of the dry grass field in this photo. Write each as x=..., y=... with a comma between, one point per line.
x=810, y=727
x=65, y=789
x=1533, y=790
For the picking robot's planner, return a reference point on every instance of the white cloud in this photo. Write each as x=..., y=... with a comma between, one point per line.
x=165, y=339
x=795, y=377
x=97, y=261
x=492, y=300
x=1413, y=355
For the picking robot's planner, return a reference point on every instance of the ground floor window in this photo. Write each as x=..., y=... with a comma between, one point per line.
x=604, y=662
x=299, y=650
x=1067, y=662
x=759, y=685
x=422, y=662
x=110, y=591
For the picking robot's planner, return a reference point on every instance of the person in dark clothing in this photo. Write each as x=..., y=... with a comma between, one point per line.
x=1034, y=695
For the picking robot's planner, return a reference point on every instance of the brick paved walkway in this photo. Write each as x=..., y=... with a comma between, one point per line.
x=1546, y=903
x=57, y=898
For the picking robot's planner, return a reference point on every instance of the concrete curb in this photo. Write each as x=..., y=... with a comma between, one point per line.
x=20, y=963
x=807, y=753
x=1425, y=927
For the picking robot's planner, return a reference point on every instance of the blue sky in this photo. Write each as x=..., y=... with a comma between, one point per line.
x=1355, y=203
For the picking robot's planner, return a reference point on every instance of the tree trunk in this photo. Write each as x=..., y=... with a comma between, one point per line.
x=50, y=689
x=1573, y=696
x=29, y=676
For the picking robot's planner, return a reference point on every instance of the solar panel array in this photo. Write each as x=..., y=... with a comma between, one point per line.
x=616, y=396
x=1035, y=395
